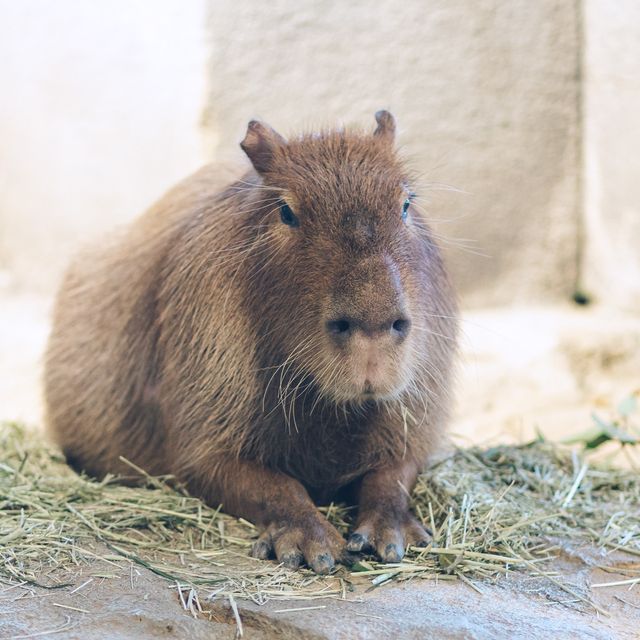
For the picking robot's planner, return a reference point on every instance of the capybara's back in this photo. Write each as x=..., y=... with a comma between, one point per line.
x=283, y=339
x=103, y=360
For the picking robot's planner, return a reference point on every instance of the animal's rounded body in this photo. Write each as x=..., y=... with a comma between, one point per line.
x=276, y=340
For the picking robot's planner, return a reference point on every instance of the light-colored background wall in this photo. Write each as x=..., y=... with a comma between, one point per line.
x=529, y=109
x=611, y=257
x=100, y=107
x=486, y=95
x=107, y=104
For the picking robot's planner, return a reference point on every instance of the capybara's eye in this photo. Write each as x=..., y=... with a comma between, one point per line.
x=288, y=217
x=405, y=208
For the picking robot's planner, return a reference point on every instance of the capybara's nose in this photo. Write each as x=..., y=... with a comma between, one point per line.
x=343, y=327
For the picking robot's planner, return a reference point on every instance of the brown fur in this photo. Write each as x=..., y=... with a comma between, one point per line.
x=195, y=343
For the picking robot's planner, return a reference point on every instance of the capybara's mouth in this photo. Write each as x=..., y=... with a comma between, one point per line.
x=367, y=392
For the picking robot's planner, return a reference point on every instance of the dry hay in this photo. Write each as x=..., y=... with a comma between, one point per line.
x=492, y=511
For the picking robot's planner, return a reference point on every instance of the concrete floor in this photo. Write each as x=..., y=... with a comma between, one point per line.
x=131, y=602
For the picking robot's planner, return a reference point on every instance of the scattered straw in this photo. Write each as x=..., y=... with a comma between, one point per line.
x=617, y=583
x=491, y=512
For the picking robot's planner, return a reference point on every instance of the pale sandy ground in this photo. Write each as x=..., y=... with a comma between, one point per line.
x=532, y=368
x=521, y=369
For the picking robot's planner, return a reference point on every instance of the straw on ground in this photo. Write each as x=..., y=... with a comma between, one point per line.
x=491, y=512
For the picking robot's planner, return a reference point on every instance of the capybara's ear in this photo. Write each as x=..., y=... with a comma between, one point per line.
x=386, y=128
x=261, y=144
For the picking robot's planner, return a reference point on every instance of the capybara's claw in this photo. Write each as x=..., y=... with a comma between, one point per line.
x=357, y=542
x=387, y=535
x=261, y=549
x=310, y=540
x=322, y=563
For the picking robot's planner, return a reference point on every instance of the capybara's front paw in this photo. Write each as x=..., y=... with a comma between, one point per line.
x=387, y=534
x=309, y=539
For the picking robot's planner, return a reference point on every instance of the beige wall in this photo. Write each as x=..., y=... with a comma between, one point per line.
x=105, y=105
x=611, y=260
x=485, y=93
x=99, y=113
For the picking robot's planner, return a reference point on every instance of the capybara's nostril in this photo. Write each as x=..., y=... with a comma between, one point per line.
x=340, y=328
x=400, y=327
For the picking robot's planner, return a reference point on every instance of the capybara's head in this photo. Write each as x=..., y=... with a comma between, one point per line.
x=349, y=279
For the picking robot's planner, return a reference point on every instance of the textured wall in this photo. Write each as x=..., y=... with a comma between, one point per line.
x=486, y=94
x=99, y=113
x=102, y=109
x=611, y=260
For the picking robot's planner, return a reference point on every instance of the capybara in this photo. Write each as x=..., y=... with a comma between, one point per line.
x=281, y=340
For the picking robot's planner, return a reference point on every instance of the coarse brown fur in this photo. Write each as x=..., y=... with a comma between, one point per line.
x=265, y=364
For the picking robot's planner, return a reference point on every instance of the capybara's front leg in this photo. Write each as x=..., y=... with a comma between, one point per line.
x=384, y=523
x=293, y=530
